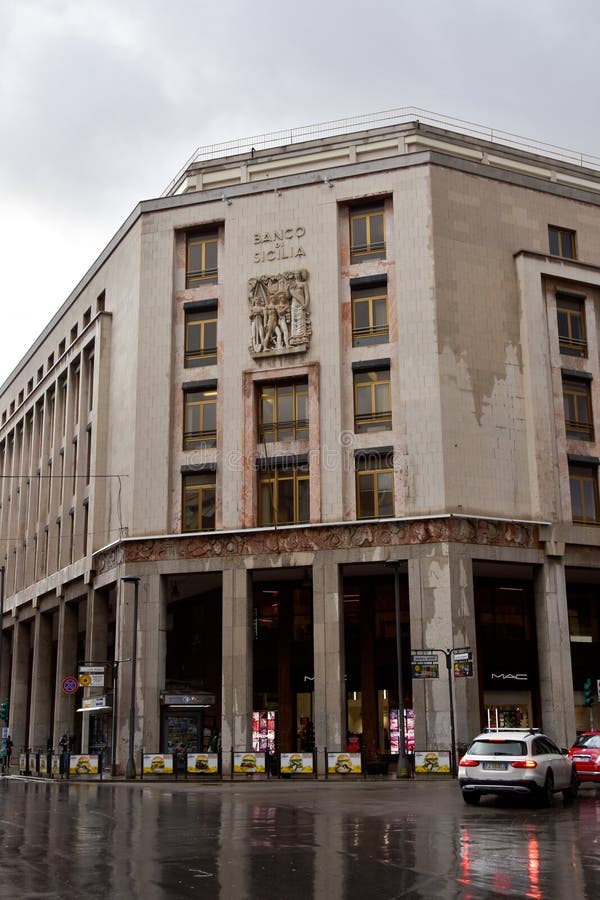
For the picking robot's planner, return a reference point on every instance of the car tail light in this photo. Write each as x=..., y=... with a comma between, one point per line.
x=468, y=762
x=524, y=764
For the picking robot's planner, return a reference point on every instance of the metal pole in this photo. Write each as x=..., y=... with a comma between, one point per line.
x=130, y=767
x=448, y=655
x=403, y=770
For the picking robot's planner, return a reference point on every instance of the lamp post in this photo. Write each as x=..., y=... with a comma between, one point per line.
x=403, y=769
x=130, y=767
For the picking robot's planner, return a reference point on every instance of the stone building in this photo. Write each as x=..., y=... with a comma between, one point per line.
x=309, y=358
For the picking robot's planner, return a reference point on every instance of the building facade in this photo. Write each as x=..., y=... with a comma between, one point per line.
x=306, y=370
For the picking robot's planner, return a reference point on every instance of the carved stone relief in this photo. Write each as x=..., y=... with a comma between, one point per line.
x=279, y=313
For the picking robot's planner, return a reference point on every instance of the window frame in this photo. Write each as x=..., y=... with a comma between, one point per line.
x=296, y=425
x=575, y=389
x=374, y=465
x=371, y=249
x=207, y=396
x=198, y=483
x=581, y=474
x=573, y=308
x=201, y=318
x=559, y=238
x=369, y=295
x=196, y=277
x=273, y=476
x=365, y=423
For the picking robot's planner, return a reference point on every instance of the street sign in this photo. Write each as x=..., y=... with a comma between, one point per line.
x=70, y=685
x=85, y=680
x=95, y=673
x=424, y=664
x=463, y=663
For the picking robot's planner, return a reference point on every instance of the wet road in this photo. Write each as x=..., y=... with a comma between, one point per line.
x=281, y=840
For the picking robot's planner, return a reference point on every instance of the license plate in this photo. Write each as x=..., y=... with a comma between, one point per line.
x=495, y=766
x=581, y=759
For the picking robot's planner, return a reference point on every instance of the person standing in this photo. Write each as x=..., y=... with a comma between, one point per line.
x=9, y=749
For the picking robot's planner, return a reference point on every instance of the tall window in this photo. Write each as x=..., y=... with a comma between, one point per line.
x=283, y=412
x=571, y=325
x=201, y=337
x=367, y=233
x=374, y=486
x=584, y=493
x=283, y=495
x=372, y=401
x=370, y=315
x=199, y=496
x=562, y=242
x=201, y=267
x=200, y=415
x=578, y=408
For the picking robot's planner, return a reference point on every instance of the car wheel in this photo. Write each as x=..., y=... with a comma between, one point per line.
x=547, y=790
x=571, y=792
x=471, y=799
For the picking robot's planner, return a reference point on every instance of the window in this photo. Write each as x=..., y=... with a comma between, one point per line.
x=374, y=485
x=201, y=265
x=372, y=401
x=369, y=315
x=584, y=492
x=562, y=242
x=578, y=408
x=283, y=494
x=200, y=418
x=367, y=233
x=201, y=337
x=199, y=495
x=283, y=412
x=571, y=325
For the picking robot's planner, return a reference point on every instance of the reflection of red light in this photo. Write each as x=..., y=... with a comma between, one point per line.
x=502, y=882
x=465, y=861
x=533, y=864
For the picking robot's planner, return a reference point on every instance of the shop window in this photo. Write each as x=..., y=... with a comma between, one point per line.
x=283, y=493
x=374, y=486
x=283, y=412
x=562, y=242
x=372, y=401
x=583, y=479
x=370, y=315
x=201, y=337
x=571, y=326
x=577, y=401
x=367, y=233
x=201, y=264
x=200, y=418
x=199, y=498
x=580, y=620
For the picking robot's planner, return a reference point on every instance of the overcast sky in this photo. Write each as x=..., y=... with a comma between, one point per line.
x=102, y=101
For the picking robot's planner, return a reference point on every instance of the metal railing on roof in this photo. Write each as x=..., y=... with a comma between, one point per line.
x=383, y=119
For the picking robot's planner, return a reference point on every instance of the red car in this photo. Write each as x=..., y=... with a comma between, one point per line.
x=585, y=754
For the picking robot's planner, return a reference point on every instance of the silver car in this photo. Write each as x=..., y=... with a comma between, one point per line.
x=516, y=761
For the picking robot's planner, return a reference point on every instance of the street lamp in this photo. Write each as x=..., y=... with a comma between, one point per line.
x=403, y=769
x=130, y=767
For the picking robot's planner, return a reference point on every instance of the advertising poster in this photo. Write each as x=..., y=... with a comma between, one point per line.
x=344, y=764
x=203, y=763
x=83, y=765
x=43, y=764
x=296, y=763
x=56, y=764
x=432, y=762
x=22, y=764
x=248, y=763
x=158, y=763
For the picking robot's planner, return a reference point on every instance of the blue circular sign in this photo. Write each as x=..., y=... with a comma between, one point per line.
x=70, y=685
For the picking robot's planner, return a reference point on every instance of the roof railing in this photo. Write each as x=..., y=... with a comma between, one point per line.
x=400, y=116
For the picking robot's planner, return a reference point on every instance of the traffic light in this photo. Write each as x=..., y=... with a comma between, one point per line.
x=588, y=692
x=4, y=708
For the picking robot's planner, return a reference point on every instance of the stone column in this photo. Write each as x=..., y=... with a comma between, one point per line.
x=96, y=632
x=236, y=697
x=42, y=688
x=20, y=683
x=442, y=616
x=328, y=637
x=152, y=655
x=554, y=653
x=66, y=664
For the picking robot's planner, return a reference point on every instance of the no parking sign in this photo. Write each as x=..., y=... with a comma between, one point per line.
x=70, y=685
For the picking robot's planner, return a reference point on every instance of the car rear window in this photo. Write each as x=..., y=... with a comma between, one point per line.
x=497, y=748
x=590, y=740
